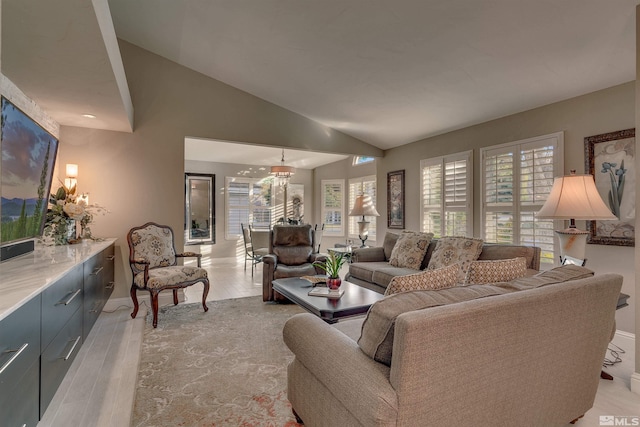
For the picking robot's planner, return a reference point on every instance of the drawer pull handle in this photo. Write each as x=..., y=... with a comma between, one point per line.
x=96, y=272
x=67, y=302
x=72, y=348
x=14, y=357
x=110, y=285
x=111, y=258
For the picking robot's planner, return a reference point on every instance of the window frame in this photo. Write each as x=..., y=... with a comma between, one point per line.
x=330, y=231
x=252, y=182
x=444, y=206
x=518, y=207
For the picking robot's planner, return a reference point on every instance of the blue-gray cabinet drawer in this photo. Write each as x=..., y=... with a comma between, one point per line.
x=19, y=404
x=19, y=365
x=57, y=358
x=59, y=302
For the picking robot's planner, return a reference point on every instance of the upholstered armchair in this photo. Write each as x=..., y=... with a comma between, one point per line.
x=153, y=262
x=291, y=254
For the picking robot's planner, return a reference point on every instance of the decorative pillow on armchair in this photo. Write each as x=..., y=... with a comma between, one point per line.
x=410, y=249
x=452, y=250
x=504, y=270
x=441, y=278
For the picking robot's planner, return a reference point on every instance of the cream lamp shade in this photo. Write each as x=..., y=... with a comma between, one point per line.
x=72, y=175
x=363, y=206
x=574, y=197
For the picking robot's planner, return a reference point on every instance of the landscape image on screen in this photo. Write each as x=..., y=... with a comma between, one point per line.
x=28, y=158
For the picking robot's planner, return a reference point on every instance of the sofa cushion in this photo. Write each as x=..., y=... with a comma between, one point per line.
x=560, y=274
x=440, y=278
x=481, y=272
x=410, y=249
x=364, y=270
x=376, y=338
x=389, y=243
x=493, y=251
x=451, y=250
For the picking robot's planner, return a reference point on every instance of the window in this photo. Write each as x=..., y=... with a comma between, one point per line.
x=357, y=186
x=516, y=180
x=333, y=206
x=360, y=160
x=248, y=201
x=447, y=189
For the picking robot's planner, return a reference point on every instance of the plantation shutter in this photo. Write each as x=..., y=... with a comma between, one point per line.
x=447, y=187
x=333, y=206
x=249, y=202
x=517, y=179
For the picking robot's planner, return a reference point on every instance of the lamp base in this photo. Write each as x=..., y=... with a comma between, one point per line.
x=573, y=243
x=364, y=239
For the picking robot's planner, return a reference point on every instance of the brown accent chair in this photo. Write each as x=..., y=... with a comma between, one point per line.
x=291, y=254
x=153, y=262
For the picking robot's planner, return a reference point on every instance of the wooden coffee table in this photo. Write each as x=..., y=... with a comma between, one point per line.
x=355, y=301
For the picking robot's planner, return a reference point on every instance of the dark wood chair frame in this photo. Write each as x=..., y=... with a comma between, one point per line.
x=154, y=292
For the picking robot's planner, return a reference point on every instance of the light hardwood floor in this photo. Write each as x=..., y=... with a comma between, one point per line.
x=98, y=390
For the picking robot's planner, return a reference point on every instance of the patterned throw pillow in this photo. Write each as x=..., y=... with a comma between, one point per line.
x=410, y=249
x=441, y=278
x=452, y=250
x=482, y=272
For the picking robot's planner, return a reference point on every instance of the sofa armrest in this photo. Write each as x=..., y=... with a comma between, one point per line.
x=355, y=380
x=318, y=257
x=375, y=254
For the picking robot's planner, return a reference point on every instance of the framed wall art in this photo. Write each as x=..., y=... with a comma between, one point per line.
x=395, y=199
x=610, y=158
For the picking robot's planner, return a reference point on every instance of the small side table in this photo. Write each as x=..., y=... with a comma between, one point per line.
x=346, y=251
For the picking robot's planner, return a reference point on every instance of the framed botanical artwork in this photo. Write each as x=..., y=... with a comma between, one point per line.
x=610, y=158
x=395, y=199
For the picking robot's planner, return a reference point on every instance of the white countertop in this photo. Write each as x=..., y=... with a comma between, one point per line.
x=26, y=276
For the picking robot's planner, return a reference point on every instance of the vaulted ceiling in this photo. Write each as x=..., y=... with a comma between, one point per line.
x=388, y=73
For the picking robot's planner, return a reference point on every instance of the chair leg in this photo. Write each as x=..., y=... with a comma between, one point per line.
x=245, y=262
x=134, y=298
x=154, y=306
x=175, y=297
x=298, y=419
x=205, y=292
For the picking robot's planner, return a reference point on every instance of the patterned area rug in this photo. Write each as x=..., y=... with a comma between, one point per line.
x=227, y=367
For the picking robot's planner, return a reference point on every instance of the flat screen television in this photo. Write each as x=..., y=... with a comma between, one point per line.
x=28, y=158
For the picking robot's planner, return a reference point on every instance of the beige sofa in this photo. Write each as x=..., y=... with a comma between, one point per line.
x=526, y=353
x=370, y=267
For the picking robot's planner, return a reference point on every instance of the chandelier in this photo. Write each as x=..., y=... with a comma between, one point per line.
x=281, y=172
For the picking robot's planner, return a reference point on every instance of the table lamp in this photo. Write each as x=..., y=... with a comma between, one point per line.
x=574, y=197
x=363, y=206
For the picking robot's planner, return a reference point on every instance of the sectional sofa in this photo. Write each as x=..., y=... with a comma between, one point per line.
x=526, y=352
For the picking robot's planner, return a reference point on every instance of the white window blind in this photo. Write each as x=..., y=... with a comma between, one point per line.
x=447, y=195
x=357, y=186
x=517, y=179
x=333, y=206
x=248, y=201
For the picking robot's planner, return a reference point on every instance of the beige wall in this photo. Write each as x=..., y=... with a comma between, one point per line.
x=139, y=176
x=599, y=112
x=225, y=248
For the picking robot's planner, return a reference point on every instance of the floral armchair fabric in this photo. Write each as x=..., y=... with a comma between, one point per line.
x=153, y=261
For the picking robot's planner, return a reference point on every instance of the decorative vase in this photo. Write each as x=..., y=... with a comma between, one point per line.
x=334, y=283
